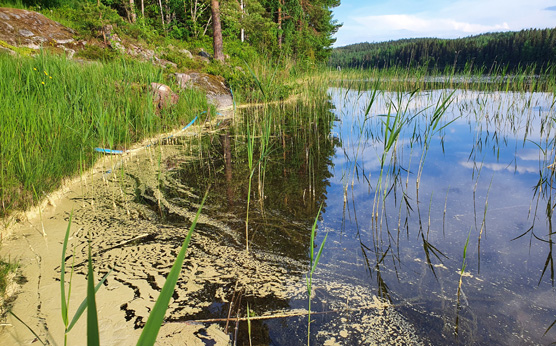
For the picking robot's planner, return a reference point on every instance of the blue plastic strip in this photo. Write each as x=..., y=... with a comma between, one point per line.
x=120, y=152
x=109, y=151
x=191, y=123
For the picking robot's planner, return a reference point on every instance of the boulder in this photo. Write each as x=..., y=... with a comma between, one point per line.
x=163, y=96
x=214, y=86
x=186, y=53
x=33, y=30
x=204, y=54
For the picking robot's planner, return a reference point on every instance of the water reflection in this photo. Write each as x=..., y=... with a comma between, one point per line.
x=407, y=179
x=478, y=176
x=404, y=181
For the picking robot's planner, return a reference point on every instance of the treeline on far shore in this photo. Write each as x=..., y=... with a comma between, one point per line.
x=492, y=52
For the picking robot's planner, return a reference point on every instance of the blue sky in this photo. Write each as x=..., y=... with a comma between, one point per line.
x=381, y=20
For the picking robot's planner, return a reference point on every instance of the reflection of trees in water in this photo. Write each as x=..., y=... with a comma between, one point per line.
x=289, y=186
x=290, y=182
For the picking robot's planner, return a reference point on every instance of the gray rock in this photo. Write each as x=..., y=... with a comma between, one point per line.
x=22, y=28
x=26, y=33
x=204, y=54
x=214, y=86
x=182, y=79
x=163, y=96
x=186, y=53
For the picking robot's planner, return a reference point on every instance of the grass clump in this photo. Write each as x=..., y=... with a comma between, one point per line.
x=7, y=268
x=57, y=111
x=20, y=50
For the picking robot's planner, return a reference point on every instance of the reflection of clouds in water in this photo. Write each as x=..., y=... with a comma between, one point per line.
x=508, y=113
x=529, y=155
x=500, y=167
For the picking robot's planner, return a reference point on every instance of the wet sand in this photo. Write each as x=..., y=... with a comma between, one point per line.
x=119, y=205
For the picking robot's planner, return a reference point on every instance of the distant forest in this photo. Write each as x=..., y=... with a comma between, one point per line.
x=507, y=51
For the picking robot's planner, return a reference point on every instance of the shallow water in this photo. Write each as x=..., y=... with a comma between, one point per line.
x=397, y=222
x=477, y=180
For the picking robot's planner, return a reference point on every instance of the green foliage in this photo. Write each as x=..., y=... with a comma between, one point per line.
x=156, y=317
x=92, y=52
x=496, y=53
x=20, y=50
x=60, y=110
x=6, y=268
x=88, y=18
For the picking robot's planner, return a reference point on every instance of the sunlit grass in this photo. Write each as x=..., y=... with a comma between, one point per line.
x=56, y=111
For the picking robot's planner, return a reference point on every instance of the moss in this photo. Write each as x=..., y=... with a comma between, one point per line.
x=19, y=50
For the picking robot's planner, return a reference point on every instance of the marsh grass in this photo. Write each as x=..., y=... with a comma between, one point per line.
x=496, y=78
x=7, y=268
x=314, y=261
x=58, y=110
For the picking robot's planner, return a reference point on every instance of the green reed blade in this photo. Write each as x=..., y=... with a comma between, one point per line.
x=64, y=303
x=319, y=254
x=84, y=303
x=256, y=79
x=93, y=338
x=30, y=329
x=156, y=317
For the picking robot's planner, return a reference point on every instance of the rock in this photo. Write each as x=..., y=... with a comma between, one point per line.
x=140, y=52
x=204, y=54
x=166, y=63
x=186, y=53
x=163, y=95
x=182, y=79
x=32, y=29
x=8, y=51
x=214, y=86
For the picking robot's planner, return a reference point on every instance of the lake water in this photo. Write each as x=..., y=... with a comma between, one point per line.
x=398, y=207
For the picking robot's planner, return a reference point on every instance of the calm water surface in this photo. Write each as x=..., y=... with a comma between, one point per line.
x=478, y=182
x=398, y=220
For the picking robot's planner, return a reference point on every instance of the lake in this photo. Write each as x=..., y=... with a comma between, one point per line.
x=436, y=206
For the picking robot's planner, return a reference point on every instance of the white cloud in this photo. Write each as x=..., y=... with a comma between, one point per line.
x=416, y=26
x=521, y=169
x=401, y=19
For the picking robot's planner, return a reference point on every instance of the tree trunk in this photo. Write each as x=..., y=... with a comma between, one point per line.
x=217, y=31
x=280, y=25
x=242, y=30
x=143, y=8
x=162, y=15
x=132, y=10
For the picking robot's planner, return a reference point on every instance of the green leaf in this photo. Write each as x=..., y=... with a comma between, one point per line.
x=156, y=317
x=93, y=338
x=256, y=79
x=64, y=303
x=318, y=255
x=83, y=304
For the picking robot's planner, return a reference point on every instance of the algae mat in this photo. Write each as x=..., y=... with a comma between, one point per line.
x=137, y=213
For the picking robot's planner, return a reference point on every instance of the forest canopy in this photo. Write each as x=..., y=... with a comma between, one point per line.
x=301, y=29
x=506, y=50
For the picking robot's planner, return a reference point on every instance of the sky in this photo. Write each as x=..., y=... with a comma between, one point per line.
x=383, y=20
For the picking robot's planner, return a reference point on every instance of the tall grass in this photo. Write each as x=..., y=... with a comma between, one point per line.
x=314, y=262
x=56, y=111
x=496, y=78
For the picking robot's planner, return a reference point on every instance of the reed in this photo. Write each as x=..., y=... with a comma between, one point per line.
x=58, y=111
x=313, y=266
